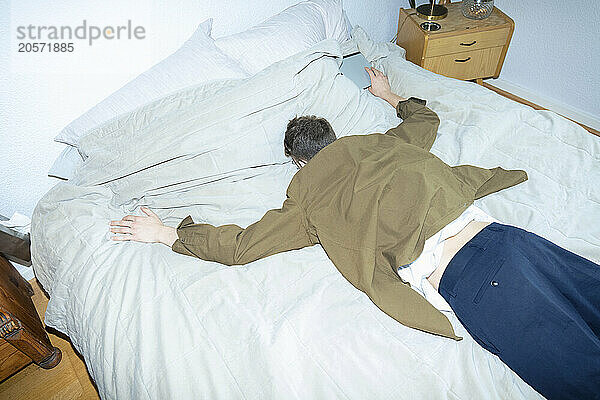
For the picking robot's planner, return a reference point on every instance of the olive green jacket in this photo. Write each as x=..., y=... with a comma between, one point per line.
x=371, y=201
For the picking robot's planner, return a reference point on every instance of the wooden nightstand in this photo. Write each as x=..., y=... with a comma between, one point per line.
x=22, y=336
x=463, y=48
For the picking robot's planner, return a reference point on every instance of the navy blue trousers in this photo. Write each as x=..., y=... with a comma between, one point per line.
x=533, y=304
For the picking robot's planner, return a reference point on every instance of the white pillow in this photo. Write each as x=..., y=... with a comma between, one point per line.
x=294, y=29
x=197, y=61
x=66, y=163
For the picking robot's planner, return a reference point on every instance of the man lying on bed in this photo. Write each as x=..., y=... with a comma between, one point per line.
x=390, y=214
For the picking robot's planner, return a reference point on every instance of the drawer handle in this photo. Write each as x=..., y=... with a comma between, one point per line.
x=465, y=60
x=469, y=44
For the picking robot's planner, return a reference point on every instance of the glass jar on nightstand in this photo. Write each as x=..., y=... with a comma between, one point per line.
x=477, y=9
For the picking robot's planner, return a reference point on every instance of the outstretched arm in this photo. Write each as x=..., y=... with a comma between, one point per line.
x=419, y=124
x=277, y=231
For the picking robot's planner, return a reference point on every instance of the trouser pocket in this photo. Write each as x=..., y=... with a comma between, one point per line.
x=489, y=282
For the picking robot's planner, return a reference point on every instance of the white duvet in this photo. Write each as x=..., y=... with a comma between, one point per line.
x=155, y=324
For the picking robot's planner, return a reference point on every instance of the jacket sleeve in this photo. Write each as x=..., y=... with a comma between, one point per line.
x=277, y=231
x=487, y=181
x=419, y=124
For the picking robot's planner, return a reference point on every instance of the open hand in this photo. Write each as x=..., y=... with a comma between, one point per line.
x=145, y=228
x=380, y=86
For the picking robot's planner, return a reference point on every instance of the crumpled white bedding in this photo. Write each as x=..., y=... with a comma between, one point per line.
x=155, y=324
x=561, y=199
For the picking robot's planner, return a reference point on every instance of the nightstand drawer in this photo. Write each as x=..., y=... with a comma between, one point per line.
x=461, y=48
x=466, y=65
x=439, y=46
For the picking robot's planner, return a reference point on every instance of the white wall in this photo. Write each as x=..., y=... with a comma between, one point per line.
x=552, y=54
x=42, y=93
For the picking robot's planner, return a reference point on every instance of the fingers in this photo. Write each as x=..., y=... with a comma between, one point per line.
x=128, y=220
x=149, y=212
x=121, y=223
x=122, y=227
x=121, y=238
x=121, y=230
x=374, y=73
x=379, y=74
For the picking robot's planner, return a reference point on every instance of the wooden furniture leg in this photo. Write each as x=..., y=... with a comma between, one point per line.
x=20, y=325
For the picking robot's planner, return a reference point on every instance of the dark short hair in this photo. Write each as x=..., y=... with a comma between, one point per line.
x=306, y=135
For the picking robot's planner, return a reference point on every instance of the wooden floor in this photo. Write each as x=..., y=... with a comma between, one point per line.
x=69, y=380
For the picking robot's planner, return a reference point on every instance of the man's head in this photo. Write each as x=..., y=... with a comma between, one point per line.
x=305, y=136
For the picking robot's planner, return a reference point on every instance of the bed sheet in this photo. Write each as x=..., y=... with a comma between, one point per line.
x=561, y=199
x=155, y=324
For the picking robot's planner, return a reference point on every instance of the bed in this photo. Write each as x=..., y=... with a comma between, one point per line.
x=154, y=324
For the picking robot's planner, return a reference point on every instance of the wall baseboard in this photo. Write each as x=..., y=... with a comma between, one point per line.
x=579, y=116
